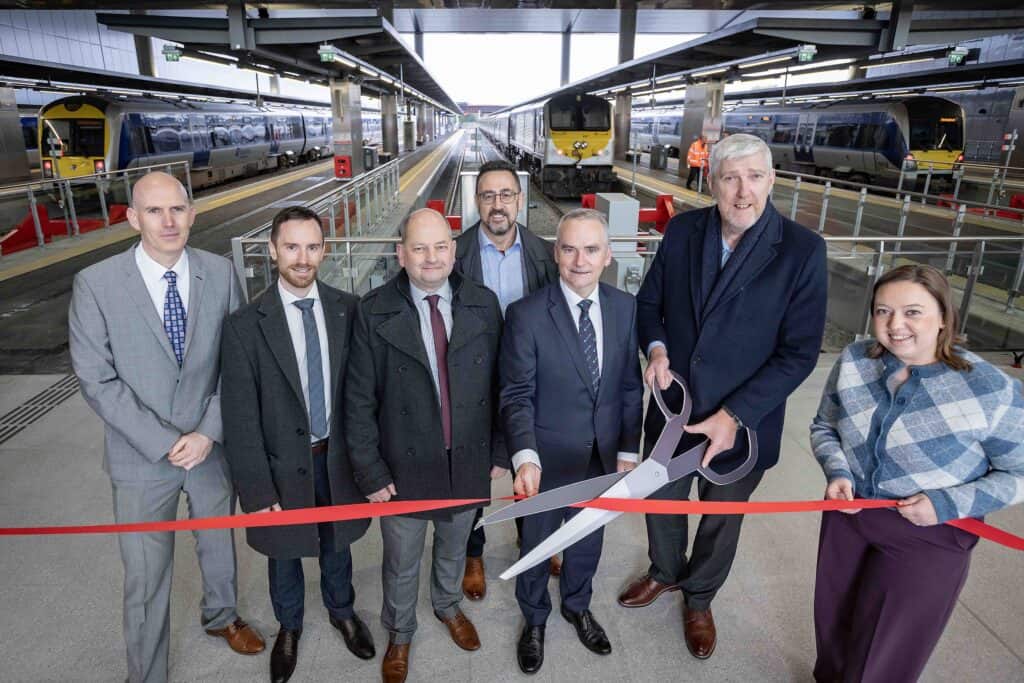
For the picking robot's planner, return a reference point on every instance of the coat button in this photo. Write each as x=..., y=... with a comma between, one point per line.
x=483, y=401
x=478, y=360
x=300, y=431
x=403, y=411
x=410, y=451
x=401, y=368
x=302, y=471
x=483, y=443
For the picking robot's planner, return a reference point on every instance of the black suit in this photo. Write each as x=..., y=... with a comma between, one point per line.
x=267, y=442
x=743, y=336
x=539, y=269
x=549, y=405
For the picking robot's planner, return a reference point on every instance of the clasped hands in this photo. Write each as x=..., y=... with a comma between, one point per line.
x=916, y=509
x=190, y=450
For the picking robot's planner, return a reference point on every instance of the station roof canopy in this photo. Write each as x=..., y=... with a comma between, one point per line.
x=364, y=46
x=48, y=76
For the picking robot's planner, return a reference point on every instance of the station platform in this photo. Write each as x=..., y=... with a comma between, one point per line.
x=62, y=595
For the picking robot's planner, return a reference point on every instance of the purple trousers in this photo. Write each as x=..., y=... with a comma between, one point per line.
x=883, y=594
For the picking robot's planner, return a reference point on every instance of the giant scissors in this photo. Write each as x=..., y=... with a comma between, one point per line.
x=653, y=473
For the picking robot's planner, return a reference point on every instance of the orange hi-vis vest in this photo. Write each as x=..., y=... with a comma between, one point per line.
x=697, y=155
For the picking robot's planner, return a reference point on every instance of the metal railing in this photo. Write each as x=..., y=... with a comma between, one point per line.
x=988, y=317
x=80, y=204
x=355, y=209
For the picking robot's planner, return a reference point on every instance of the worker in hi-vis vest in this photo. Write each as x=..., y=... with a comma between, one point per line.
x=696, y=157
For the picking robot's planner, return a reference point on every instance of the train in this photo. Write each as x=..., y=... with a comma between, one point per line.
x=82, y=135
x=565, y=142
x=857, y=140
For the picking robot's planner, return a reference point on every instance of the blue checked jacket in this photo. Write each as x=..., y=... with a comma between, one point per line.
x=958, y=437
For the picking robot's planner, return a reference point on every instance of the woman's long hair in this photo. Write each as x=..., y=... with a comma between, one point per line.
x=938, y=286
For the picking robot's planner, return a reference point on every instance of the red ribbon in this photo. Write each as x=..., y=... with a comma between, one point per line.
x=340, y=513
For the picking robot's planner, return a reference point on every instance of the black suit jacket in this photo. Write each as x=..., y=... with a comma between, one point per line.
x=538, y=258
x=548, y=402
x=266, y=425
x=392, y=411
x=754, y=340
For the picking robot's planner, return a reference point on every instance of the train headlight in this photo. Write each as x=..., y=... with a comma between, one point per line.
x=47, y=169
x=99, y=166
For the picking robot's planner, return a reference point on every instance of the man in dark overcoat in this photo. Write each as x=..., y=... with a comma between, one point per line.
x=283, y=362
x=419, y=414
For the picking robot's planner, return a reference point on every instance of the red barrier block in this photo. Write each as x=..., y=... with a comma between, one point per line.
x=342, y=167
x=1017, y=201
x=588, y=201
x=23, y=235
x=118, y=213
x=436, y=205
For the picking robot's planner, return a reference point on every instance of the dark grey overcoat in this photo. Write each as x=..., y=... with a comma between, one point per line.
x=266, y=425
x=392, y=411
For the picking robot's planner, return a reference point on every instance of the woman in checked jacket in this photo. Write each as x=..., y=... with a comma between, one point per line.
x=909, y=416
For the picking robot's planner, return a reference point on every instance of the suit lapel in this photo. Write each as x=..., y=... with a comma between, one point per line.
x=762, y=253
x=561, y=317
x=197, y=277
x=337, y=331
x=276, y=334
x=402, y=330
x=696, y=272
x=139, y=294
x=609, y=339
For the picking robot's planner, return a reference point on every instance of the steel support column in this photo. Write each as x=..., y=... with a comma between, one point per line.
x=346, y=114
x=623, y=104
x=389, y=124
x=566, y=55
x=702, y=114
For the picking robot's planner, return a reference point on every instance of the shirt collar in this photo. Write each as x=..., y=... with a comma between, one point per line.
x=287, y=298
x=418, y=295
x=574, y=299
x=153, y=271
x=485, y=241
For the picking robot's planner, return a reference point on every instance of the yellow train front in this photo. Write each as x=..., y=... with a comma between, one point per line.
x=565, y=143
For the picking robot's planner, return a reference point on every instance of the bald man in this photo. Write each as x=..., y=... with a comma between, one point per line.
x=144, y=333
x=414, y=432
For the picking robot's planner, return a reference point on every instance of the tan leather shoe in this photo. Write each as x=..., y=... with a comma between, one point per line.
x=474, y=583
x=462, y=630
x=242, y=638
x=699, y=628
x=395, y=666
x=644, y=591
x=556, y=566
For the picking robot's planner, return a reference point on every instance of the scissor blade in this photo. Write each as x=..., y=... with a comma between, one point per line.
x=561, y=497
x=580, y=526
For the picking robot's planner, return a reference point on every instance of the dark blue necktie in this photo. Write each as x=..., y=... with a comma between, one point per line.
x=174, y=316
x=589, y=338
x=314, y=370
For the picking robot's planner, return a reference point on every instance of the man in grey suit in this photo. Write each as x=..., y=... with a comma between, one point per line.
x=144, y=334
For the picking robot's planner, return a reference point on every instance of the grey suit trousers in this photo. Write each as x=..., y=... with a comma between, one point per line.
x=400, y=570
x=148, y=560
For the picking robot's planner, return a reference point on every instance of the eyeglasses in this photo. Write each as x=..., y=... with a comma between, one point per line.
x=506, y=196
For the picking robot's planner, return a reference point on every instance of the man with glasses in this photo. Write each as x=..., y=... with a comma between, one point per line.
x=512, y=262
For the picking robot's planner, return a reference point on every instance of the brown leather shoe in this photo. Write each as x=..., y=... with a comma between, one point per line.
x=243, y=639
x=699, y=627
x=474, y=583
x=462, y=630
x=556, y=566
x=395, y=666
x=644, y=591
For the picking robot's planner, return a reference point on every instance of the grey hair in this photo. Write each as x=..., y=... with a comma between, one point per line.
x=403, y=227
x=583, y=215
x=736, y=146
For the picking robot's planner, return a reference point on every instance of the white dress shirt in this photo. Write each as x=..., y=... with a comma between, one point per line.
x=444, y=305
x=153, y=277
x=293, y=314
x=528, y=455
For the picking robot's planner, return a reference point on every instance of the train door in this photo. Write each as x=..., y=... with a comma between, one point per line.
x=803, y=150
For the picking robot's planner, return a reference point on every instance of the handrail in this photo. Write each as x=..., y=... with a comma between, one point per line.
x=105, y=175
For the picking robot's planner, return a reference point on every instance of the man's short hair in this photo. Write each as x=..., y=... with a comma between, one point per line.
x=583, y=215
x=498, y=165
x=293, y=213
x=737, y=146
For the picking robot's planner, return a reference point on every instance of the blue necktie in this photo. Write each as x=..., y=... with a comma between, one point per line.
x=174, y=316
x=314, y=370
x=589, y=338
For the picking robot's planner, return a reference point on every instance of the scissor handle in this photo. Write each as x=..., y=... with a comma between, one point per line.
x=741, y=471
x=687, y=403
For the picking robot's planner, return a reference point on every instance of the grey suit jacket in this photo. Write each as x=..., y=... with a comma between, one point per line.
x=127, y=369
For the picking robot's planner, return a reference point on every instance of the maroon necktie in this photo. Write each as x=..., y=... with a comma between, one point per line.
x=441, y=351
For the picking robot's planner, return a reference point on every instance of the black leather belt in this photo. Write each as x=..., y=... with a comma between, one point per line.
x=319, y=447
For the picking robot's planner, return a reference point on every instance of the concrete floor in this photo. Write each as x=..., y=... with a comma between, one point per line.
x=60, y=597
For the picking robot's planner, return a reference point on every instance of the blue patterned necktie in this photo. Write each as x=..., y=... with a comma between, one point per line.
x=589, y=338
x=174, y=316
x=314, y=370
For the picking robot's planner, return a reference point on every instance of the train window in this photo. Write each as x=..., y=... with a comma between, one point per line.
x=784, y=133
x=867, y=135
x=30, y=132
x=595, y=115
x=76, y=137
x=563, y=117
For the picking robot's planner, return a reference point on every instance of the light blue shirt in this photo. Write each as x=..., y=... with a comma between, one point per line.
x=726, y=253
x=503, y=273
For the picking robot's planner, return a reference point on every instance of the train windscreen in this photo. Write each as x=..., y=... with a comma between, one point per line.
x=74, y=137
x=935, y=124
x=569, y=114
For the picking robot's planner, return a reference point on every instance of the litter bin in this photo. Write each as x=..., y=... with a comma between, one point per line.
x=659, y=157
x=369, y=158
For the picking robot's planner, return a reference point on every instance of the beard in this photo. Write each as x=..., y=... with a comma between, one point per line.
x=500, y=229
x=298, y=280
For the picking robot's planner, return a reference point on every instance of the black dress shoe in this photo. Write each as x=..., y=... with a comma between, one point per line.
x=357, y=637
x=530, y=650
x=284, y=655
x=589, y=631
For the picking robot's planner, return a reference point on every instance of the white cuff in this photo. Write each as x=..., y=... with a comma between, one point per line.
x=527, y=455
x=628, y=457
x=653, y=345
